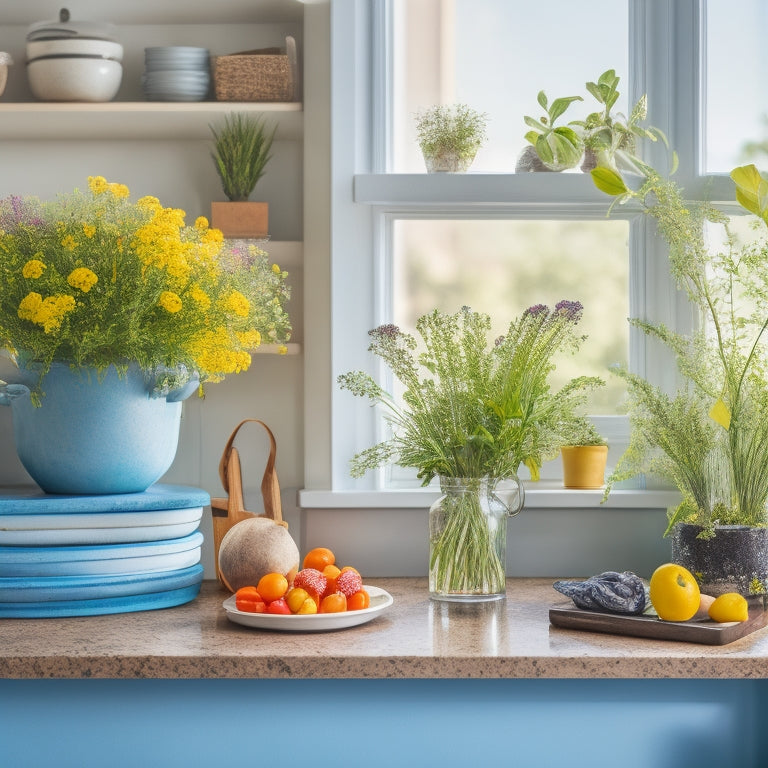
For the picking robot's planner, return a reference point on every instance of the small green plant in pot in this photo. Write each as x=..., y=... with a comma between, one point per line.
x=241, y=152
x=584, y=454
x=610, y=138
x=553, y=147
x=449, y=137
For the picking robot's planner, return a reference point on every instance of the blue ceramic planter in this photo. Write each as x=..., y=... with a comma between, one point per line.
x=96, y=433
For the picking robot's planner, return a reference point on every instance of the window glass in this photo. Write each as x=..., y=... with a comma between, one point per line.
x=736, y=115
x=501, y=267
x=495, y=56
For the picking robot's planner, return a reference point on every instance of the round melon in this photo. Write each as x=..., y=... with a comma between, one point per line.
x=254, y=547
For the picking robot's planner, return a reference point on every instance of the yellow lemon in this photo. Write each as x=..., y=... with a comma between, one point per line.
x=674, y=592
x=729, y=607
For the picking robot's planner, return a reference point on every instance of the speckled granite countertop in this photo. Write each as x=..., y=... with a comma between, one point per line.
x=415, y=638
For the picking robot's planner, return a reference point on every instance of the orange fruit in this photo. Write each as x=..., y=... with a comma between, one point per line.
x=674, y=592
x=729, y=607
x=318, y=558
x=335, y=603
x=272, y=586
x=358, y=601
x=295, y=598
x=331, y=573
x=308, y=607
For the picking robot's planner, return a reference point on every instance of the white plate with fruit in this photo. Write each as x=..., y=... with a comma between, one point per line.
x=381, y=600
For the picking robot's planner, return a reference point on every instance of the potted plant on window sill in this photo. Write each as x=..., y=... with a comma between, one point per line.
x=710, y=437
x=449, y=137
x=241, y=152
x=610, y=138
x=551, y=147
x=584, y=455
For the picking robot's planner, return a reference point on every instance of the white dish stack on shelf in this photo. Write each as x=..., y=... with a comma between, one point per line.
x=89, y=555
x=73, y=60
x=176, y=73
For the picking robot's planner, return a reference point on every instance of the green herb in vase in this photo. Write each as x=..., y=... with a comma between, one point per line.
x=471, y=414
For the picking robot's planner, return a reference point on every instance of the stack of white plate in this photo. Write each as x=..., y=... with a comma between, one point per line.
x=176, y=73
x=87, y=555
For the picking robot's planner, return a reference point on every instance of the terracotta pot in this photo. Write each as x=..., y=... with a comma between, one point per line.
x=584, y=465
x=241, y=220
x=735, y=559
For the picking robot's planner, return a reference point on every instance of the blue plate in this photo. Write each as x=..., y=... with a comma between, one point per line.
x=144, y=557
x=98, y=607
x=30, y=500
x=52, y=589
x=97, y=528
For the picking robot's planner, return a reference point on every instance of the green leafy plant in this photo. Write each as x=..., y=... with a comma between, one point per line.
x=471, y=411
x=454, y=130
x=710, y=438
x=612, y=137
x=241, y=152
x=95, y=279
x=580, y=430
x=559, y=147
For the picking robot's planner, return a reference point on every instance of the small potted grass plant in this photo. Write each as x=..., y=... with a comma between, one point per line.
x=241, y=152
x=449, y=137
x=584, y=454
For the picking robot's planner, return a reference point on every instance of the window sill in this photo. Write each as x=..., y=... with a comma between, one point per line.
x=535, y=498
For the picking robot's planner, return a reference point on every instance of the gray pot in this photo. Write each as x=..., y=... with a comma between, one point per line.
x=734, y=560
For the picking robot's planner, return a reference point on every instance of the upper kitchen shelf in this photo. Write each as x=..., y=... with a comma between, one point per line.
x=138, y=119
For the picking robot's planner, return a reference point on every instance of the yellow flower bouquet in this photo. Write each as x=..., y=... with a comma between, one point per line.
x=93, y=279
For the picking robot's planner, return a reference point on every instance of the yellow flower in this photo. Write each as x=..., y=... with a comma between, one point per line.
x=212, y=236
x=29, y=306
x=282, y=350
x=276, y=269
x=97, y=184
x=201, y=222
x=89, y=230
x=119, y=190
x=82, y=278
x=69, y=243
x=33, y=269
x=170, y=301
x=48, y=312
x=149, y=203
x=214, y=356
x=238, y=304
x=249, y=339
x=202, y=299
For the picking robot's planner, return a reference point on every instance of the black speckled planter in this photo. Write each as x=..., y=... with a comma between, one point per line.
x=729, y=562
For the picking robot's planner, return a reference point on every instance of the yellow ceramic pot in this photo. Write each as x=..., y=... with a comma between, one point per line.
x=584, y=465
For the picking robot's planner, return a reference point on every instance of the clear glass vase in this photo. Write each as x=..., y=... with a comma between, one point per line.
x=468, y=537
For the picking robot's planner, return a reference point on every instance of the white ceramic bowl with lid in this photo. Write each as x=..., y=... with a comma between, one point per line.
x=74, y=79
x=65, y=28
x=82, y=47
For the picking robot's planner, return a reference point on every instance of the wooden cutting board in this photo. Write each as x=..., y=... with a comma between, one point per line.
x=707, y=632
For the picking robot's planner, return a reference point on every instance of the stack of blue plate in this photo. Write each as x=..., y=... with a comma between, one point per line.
x=87, y=555
x=176, y=73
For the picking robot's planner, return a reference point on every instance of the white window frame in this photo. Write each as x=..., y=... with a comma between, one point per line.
x=665, y=55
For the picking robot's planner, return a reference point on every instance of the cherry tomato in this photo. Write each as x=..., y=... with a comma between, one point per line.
x=279, y=606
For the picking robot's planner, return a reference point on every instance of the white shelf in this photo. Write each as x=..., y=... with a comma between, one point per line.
x=272, y=349
x=131, y=120
x=154, y=12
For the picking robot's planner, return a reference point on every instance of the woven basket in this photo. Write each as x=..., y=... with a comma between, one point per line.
x=253, y=76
